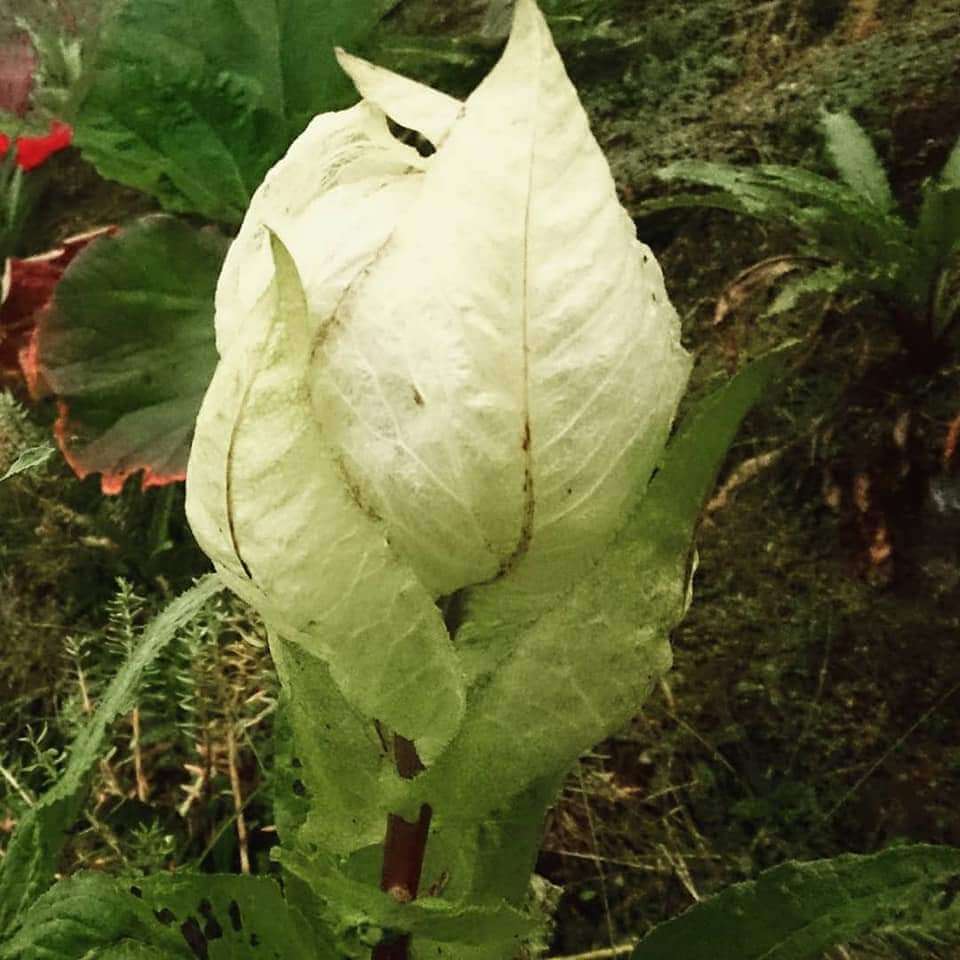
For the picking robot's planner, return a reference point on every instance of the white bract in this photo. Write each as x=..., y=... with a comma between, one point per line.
x=471, y=394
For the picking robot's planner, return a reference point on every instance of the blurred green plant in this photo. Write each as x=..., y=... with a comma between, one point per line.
x=191, y=105
x=853, y=232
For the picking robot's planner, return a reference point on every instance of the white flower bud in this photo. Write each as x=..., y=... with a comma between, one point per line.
x=475, y=388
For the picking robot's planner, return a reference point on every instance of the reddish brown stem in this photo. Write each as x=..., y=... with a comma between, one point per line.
x=403, y=850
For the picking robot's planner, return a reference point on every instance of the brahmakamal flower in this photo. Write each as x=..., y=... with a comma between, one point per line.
x=470, y=390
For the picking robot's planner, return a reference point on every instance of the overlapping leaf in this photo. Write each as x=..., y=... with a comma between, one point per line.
x=193, y=103
x=318, y=566
x=497, y=416
x=587, y=664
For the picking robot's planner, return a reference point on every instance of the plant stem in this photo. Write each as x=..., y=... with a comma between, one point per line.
x=143, y=788
x=237, y=792
x=403, y=850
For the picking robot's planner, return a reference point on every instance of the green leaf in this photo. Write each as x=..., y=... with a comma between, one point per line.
x=585, y=666
x=938, y=225
x=170, y=917
x=495, y=857
x=836, y=221
x=193, y=103
x=332, y=763
x=938, y=244
x=669, y=512
x=856, y=160
x=798, y=910
x=129, y=349
x=30, y=459
x=823, y=280
x=950, y=174
x=30, y=861
x=352, y=908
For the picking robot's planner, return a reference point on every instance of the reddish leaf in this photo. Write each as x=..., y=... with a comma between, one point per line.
x=27, y=288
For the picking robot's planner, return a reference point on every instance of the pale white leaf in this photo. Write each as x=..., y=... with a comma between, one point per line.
x=502, y=379
x=268, y=503
x=411, y=104
x=332, y=200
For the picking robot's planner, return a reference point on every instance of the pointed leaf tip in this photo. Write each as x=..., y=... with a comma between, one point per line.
x=408, y=103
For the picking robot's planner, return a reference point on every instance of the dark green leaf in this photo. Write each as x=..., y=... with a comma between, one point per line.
x=798, y=910
x=836, y=221
x=194, y=102
x=950, y=174
x=30, y=861
x=170, y=917
x=30, y=459
x=129, y=349
x=823, y=280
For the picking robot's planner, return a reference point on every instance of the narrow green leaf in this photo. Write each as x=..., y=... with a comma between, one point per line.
x=938, y=225
x=837, y=222
x=29, y=864
x=823, y=280
x=30, y=459
x=669, y=512
x=585, y=666
x=798, y=910
x=856, y=159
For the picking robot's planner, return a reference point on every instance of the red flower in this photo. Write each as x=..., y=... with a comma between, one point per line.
x=33, y=151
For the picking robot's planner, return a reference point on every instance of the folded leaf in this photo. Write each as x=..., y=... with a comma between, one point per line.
x=316, y=564
x=585, y=666
x=170, y=917
x=409, y=103
x=499, y=415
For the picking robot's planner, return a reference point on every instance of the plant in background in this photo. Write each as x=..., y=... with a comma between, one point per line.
x=853, y=232
x=195, y=126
